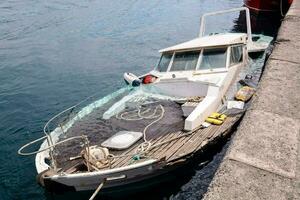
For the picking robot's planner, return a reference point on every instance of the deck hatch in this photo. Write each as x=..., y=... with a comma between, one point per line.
x=122, y=140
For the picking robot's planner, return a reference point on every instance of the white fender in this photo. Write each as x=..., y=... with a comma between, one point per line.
x=131, y=79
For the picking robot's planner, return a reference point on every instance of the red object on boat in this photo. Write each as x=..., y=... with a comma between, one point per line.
x=147, y=79
x=268, y=5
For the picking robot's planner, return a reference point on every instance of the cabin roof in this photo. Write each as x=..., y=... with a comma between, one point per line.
x=209, y=41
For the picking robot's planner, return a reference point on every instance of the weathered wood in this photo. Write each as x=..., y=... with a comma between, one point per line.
x=202, y=136
x=187, y=146
x=184, y=145
x=161, y=150
x=175, y=147
x=155, y=141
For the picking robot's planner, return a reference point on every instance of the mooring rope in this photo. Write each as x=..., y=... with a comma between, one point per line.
x=97, y=190
x=49, y=146
x=281, y=9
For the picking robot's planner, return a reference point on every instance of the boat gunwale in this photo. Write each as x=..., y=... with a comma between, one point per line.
x=106, y=171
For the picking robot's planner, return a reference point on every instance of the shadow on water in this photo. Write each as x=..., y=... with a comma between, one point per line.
x=261, y=23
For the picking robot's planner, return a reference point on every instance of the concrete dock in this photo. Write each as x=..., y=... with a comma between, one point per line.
x=263, y=160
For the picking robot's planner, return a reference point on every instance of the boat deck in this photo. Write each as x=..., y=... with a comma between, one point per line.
x=181, y=147
x=177, y=146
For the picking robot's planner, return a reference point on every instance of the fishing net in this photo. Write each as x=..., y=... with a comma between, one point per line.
x=122, y=114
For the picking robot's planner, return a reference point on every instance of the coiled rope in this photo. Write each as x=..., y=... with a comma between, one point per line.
x=138, y=114
x=147, y=145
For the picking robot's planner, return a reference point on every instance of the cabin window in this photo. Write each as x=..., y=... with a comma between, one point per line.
x=185, y=61
x=164, y=62
x=236, y=54
x=213, y=58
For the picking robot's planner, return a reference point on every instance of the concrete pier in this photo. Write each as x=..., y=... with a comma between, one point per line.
x=263, y=160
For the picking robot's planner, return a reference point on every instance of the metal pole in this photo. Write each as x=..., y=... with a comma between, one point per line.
x=53, y=163
x=248, y=22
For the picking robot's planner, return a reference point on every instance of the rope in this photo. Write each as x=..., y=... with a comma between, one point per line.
x=281, y=9
x=155, y=121
x=141, y=150
x=97, y=190
x=49, y=147
x=145, y=150
x=90, y=157
x=139, y=115
x=146, y=146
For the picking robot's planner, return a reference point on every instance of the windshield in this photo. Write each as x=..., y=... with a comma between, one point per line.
x=213, y=58
x=164, y=62
x=236, y=54
x=185, y=61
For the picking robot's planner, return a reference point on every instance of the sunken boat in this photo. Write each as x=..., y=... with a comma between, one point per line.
x=155, y=124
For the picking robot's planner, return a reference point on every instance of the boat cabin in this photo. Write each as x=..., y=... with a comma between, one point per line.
x=204, y=55
x=202, y=67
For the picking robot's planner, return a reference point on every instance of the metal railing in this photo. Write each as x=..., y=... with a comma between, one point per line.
x=248, y=22
x=66, y=115
x=50, y=147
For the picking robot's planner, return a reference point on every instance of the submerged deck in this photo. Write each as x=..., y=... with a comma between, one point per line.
x=179, y=146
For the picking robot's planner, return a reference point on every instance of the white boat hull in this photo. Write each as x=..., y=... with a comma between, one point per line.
x=119, y=177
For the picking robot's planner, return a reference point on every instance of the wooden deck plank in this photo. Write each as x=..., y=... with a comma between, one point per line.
x=186, y=146
x=160, y=150
x=195, y=142
x=166, y=138
x=177, y=148
x=223, y=130
x=174, y=145
x=119, y=161
x=155, y=141
x=214, y=130
x=160, y=139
